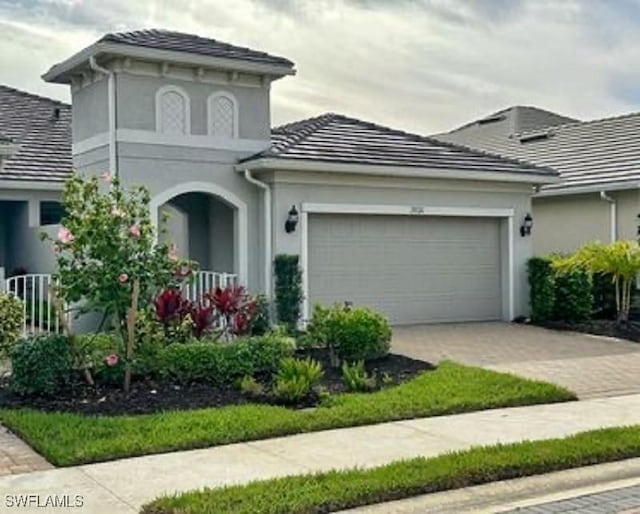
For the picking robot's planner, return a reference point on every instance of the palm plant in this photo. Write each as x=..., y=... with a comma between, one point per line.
x=620, y=260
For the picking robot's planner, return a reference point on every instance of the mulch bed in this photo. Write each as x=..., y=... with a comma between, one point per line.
x=602, y=327
x=149, y=397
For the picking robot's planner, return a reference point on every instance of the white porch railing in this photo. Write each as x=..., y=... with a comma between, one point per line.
x=204, y=282
x=36, y=293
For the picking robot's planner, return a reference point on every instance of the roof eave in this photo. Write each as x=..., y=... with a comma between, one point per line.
x=31, y=185
x=588, y=188
x=59, y=73
x=281, y=164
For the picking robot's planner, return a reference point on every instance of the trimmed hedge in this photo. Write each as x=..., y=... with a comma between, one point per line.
x=42, y=365
x=541, y=288
x=573, y=295
x=288, y=289
x=566, y=296
x=220, y=363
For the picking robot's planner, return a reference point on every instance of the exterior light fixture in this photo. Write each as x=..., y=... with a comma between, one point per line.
x=527, y=225
x=292, y=220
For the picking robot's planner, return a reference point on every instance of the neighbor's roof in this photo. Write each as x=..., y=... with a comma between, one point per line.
x=163, y=43
x=44, y=142
x=587, y=154
x=334, y=138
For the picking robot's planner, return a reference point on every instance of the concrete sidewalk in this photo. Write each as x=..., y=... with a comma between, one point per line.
x=123, y=486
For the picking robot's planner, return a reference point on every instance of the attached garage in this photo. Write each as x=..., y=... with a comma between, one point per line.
x=416, y=269
x=425, y=231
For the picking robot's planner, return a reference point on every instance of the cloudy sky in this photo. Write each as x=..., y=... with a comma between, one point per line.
x=421, y=65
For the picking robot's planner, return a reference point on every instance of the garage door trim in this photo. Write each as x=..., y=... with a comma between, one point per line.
x=401, y=210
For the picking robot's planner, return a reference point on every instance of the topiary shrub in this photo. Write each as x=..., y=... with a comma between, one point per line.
x=11, y=322
x=42, y=366
x=573, y=295
x=541, y=288
x=288, y=290
x=351, y=334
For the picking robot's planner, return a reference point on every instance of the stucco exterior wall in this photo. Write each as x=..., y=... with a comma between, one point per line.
x=297, y=188
x=165, y=168
x=564, y=223
x=89, y=108
x=136, y=96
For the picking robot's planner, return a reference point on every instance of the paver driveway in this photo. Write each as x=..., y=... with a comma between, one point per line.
x=591, y=366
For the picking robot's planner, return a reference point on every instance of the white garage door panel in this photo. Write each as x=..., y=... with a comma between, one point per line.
x=416, y=269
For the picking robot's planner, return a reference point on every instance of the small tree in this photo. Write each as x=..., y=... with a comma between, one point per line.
x=106, y=245
x=620, y=260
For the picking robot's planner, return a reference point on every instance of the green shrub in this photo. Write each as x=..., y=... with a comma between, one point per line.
x=288, y=290
x=296, y=378
x=565, y=294
x=260, y=322
x=250, y=387
x=92, y=356
x=604, y=296
x=352, y=334
x=223, y=363
x=356, y=379
x=541, y=288
x=573, y=295
x=42, y=365
x=11, y=322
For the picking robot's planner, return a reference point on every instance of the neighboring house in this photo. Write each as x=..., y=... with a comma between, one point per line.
x=424, y=230
x=35, y=158
x=598, y=196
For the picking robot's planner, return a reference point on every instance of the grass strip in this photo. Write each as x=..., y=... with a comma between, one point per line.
x=68, y=439
x=337, y=490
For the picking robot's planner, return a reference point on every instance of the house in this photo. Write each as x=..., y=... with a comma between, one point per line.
x=598, y=196
x=424, y=230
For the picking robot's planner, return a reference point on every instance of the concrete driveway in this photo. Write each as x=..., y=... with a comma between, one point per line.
x=591, y=366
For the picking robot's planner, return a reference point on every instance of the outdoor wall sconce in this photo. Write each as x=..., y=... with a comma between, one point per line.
x=292, y=220
x=527, y=225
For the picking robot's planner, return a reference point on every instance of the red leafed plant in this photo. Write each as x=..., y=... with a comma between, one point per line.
x=229, y=310
x=171, y=306
x=202, y=317
x=235, y=307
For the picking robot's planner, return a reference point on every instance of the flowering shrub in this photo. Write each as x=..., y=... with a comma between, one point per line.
x=107, y=243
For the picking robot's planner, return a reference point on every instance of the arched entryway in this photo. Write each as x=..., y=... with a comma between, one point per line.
x=208, y=224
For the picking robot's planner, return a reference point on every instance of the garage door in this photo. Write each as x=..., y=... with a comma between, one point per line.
x=416, y=269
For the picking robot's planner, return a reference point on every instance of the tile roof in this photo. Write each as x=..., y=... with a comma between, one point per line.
x=191, y=43
x=334, y=138
x=585, y=153
x=44, y=141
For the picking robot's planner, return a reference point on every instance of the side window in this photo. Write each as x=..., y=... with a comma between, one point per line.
x=51, y=213
x=223, y=115
x=172, y=111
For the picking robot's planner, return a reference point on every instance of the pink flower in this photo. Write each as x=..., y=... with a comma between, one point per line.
x=117, y=212
x=134, y=230
x=111, y=360
x=65, y=236
x=107, y=177
x=123, y=277
x=173, y=253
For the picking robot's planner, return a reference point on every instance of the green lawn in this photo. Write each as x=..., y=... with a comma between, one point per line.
x=337, y=490
x=69, y=439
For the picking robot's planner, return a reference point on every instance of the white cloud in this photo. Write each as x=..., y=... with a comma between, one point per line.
x=422, y=65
